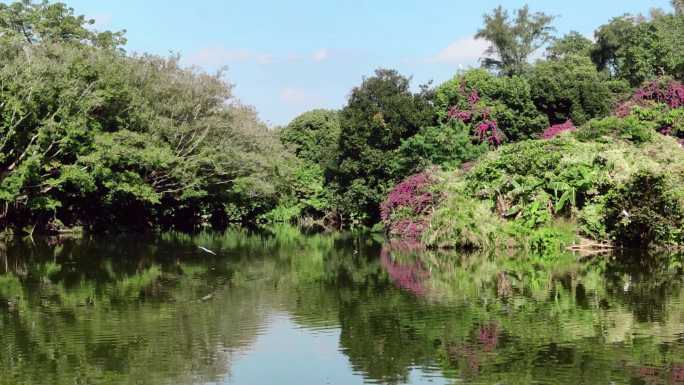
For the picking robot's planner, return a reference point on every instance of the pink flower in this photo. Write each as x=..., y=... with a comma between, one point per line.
x=488, y=131
x=556, y=129
x=413, y=195
x=473, y=98
x=455, y=113
x=669, y=92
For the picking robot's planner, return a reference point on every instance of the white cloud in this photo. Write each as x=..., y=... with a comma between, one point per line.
x=465, y=50
x=320, y=55
x=217, y=56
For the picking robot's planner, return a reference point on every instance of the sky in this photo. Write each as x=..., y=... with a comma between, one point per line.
x=288, y=57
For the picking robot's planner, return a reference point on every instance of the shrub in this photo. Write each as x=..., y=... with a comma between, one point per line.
x=446, y=145
x=408, y=205
x=503, y=104
x=557, y=129
x=571, y=88
x=647, y=209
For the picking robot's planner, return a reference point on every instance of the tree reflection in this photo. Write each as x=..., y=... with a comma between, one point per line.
x=158, y=310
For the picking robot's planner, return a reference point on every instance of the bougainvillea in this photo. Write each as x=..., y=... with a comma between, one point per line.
x=455, y=113
x=666, y=91
x=405, y=210
x=487, y=130
x=556, y=129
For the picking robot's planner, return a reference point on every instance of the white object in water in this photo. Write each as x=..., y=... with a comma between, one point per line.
x=206, y=250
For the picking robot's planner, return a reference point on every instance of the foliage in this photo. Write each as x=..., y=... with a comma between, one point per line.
x=513, y=41
x=571, y=44
x=571, y=88
x=380, y=113
x=314, y=136
x=516, y=195
x=447, y=145
x=497, y=108
x=636, y=49
x=406, y=210
x=649, y=208
x=91, y=136
x=26, y=22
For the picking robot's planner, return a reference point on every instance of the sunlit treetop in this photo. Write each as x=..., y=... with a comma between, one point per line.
x=35, y=22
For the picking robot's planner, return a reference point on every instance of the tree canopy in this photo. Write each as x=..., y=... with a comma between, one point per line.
x=513, y=40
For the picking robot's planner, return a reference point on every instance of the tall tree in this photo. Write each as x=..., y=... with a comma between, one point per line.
x=637, y=49
x=29, y=22
x=380, y=113
x=513, y=40
x=678, y=6
x=572, y=43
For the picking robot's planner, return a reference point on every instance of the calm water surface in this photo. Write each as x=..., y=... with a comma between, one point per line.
x=280, y=307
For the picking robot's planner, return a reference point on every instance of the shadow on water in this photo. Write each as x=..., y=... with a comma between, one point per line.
x=159, y=310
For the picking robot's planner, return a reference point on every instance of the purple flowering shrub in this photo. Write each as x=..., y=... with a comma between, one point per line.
x=556, y=129
x=660, y=101
x=485, y=127
x=665, y=91
x=406, y=210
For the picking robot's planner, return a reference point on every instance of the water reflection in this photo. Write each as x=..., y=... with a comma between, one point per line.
x=277, y=306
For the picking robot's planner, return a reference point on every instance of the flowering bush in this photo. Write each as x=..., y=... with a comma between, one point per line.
x=504, y=104
x=556, y=129
x=407, y=205
x=487, y=131
x=666, y=91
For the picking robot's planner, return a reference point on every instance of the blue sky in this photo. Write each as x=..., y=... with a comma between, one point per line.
x=286, y=57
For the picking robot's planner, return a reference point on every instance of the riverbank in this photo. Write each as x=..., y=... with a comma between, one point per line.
x=613, y=181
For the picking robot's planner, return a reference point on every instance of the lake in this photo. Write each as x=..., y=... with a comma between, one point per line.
x=276, y=306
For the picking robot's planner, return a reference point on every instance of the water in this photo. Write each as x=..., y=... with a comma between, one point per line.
x=279, y=307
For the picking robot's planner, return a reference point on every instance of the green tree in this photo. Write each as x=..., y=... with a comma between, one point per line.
x=379, y=114
x=29, y=22
x=513, y=41
x=637, y=49
x=447, y=145
x=572, y=43
x=484, y=96
x=571, y=88
x=91, y=136
x=314, y=136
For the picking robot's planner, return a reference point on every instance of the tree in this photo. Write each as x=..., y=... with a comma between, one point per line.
x=479, y=98
x=513, y=41
x=36, y=22
x=380, y=113
x=678, y=6
x=572, y=43
x=637, y=49
x=91, y=136
x=448, y=145
x=314, y=136
x=572, y=88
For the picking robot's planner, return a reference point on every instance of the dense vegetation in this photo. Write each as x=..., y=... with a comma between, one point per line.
x=94, y=137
